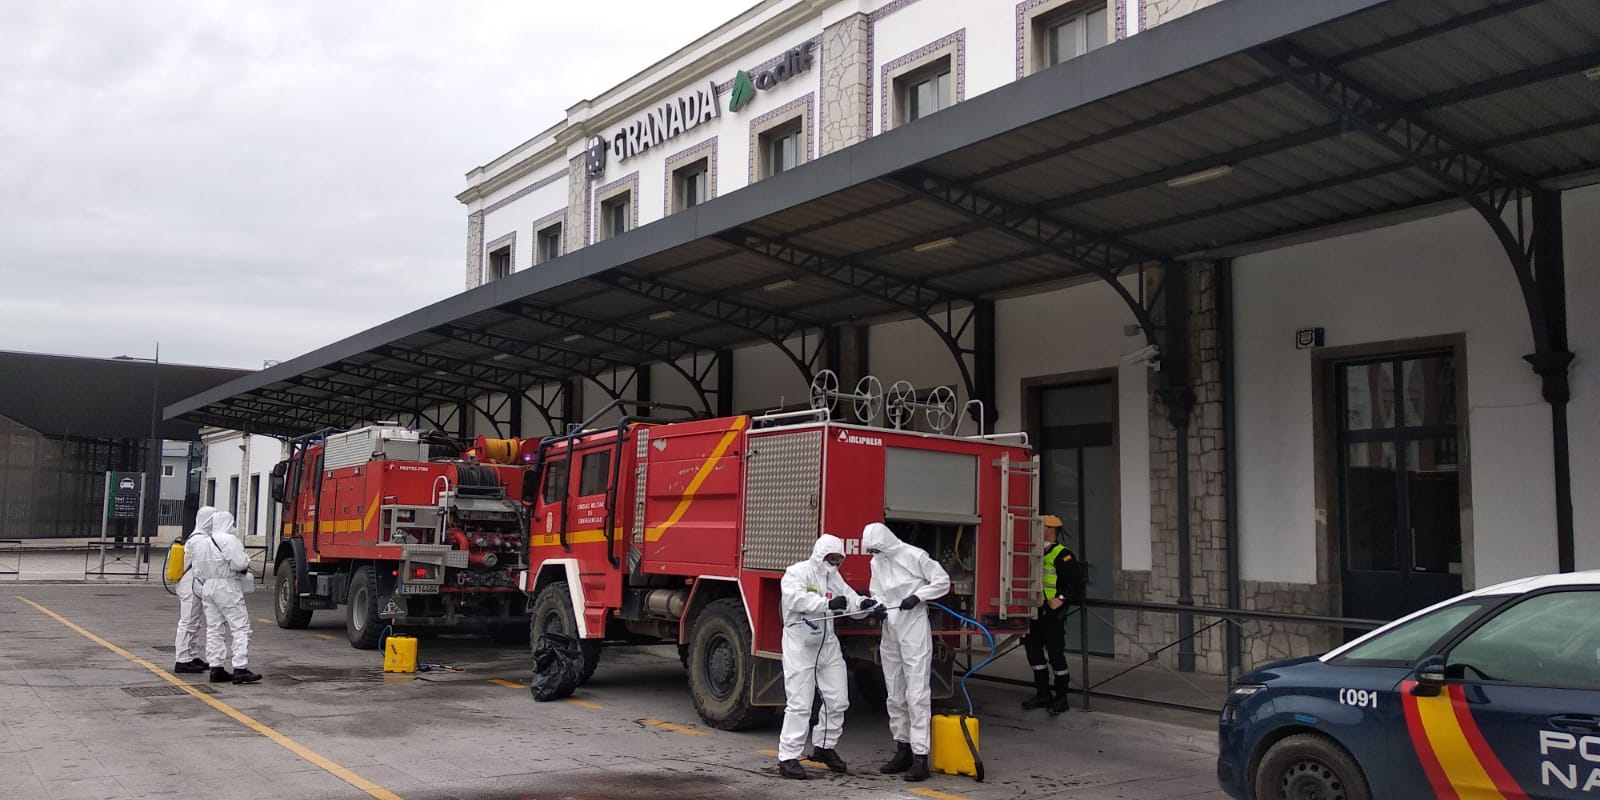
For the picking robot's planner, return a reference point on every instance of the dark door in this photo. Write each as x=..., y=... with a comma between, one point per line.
x=1078, y=484
x=1399, y=479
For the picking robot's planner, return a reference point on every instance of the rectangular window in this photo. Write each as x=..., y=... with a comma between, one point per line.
x=1067, y=36
x=500, y=264
x=548, y=241
x=596, y=473
x=255, y=503
x=555, y=481
x=616, y=215
x=781, y=149
x=167, y=471
x=233, y=494
x=211, y=492
x=690, y=185
x=925, y=91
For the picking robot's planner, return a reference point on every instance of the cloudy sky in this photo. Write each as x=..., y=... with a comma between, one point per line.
x=249, y=181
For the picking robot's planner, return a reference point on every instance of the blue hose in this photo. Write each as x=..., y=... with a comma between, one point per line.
x=977, y=760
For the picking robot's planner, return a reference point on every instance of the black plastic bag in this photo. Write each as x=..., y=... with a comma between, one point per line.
x=557, y=662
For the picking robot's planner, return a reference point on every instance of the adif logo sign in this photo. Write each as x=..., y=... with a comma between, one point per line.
x=846, y=437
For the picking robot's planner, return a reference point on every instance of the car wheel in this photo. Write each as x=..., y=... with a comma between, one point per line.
x=1307, y=766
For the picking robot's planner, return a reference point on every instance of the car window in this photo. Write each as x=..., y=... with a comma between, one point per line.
x=1411, y=641
x=555, y=481
x=596, y=473
x=1546, y=640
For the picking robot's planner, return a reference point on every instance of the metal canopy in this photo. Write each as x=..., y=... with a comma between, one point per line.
x=1319, y=114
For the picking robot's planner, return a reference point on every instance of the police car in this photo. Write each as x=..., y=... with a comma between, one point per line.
x=1492, y=694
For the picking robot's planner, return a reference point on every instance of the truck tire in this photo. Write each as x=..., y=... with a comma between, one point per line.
x=286, y=594
x=720, y=668
x=1308, y=765
x=361, y=621
x=552, y=611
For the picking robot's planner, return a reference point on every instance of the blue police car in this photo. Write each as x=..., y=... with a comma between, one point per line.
x=1492, y=694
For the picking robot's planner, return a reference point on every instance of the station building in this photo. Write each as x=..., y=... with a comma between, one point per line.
x=1295, y=300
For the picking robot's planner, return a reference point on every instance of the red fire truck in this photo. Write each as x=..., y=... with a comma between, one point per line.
x=680, y=532
x=400, y=527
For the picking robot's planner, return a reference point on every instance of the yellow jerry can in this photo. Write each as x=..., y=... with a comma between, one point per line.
x=948, y=751
x=175, y=562
x=400, y=654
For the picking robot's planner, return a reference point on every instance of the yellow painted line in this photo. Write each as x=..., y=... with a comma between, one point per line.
x=669, y=726
x=264, y=621
x=324, y=636
x=936, y=794
x=509, y=684
x=584, y=703
x=285, y=742
x=806, y=761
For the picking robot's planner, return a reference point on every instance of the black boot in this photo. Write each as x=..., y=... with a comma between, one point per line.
x=244, y=675
x=193, y=665
x=826, y=757
x=901, y=761
x=792, y=769
x=1063, y=684
x=220, y=675
x=1041, y=691
x=918, y=771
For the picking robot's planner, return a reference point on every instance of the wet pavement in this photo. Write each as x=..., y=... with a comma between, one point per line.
x=80, y=719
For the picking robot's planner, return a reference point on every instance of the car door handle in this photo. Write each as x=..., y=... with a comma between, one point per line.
x=1576, y=723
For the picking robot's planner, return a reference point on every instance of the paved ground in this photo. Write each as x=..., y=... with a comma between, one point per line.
x=78, y=719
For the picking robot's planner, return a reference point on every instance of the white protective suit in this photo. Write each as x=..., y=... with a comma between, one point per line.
x=900, y=570
x=191, y=616
x=812, y=660
x=219, y=564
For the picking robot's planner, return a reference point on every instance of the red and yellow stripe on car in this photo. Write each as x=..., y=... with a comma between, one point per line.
x=1453, y=752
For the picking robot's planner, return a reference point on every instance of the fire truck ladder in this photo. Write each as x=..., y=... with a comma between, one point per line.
x=1021, y=568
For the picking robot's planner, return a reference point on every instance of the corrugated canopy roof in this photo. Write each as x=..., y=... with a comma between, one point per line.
x=1320, y=114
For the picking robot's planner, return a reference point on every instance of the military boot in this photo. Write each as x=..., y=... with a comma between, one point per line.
x=790, y=768
x=1041, y=696
x=901, y=761
x=1063, y=688
x=918, y=771
x=827, y=758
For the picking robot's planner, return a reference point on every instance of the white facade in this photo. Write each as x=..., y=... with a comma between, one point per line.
x=1439, y=286
x=237, y=472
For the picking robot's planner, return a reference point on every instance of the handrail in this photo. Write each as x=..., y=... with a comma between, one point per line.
x=1021, y=436
x=821, y=415
x=1239, y=613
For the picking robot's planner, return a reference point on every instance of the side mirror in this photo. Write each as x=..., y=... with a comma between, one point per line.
x=1430, y=677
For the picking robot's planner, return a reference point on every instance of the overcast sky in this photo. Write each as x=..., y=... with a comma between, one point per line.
x=248, y=181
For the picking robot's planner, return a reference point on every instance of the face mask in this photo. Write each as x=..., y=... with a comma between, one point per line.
x=832, y=567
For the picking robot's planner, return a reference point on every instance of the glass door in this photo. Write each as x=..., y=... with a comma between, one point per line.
x=1078, y=484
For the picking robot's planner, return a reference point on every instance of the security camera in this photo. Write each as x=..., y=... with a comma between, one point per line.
x=1150, y=355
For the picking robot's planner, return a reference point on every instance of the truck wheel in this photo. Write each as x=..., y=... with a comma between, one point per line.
x=720, y=668
x=361, y=622
x=552, y=611
x=1308, y=765
x=286, y=588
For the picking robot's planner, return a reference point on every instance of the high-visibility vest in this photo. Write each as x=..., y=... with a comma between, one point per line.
x=1050, y=557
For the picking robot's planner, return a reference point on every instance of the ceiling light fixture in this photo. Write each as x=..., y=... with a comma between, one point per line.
x=502, y=356
x=572, y=337
x=936, y=244
x=661, y=315
x=776, y=285
x=1201, y=177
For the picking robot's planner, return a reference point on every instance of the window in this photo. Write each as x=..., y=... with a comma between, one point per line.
x=923, y=92
x=596, y=473
x=548, y=242
x=1546, y=640
x=1065, y=36
x=782, y=148
x=211, y=492
x=233, y=494
x=691, y=185
x=555, y=481
x=500, y=263
x=255, y=504
x=616, y=215
x=168, y=471
x=1409, y=641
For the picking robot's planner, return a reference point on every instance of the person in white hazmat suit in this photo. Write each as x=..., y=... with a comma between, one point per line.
x=812, y=661
x=904, y=578
x=191, y=611
x=220, y=567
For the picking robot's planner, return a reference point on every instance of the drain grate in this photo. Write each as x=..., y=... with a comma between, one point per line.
x=165, y=648
x=166, y=690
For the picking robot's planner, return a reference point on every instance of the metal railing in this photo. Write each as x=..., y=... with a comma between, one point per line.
x=1147, y=655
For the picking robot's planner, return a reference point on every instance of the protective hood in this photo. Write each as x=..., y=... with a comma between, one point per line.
x=826, y=544
x=222, y=522
x=877, y=536
x=202, y=520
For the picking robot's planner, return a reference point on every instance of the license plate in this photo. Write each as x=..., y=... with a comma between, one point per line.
x=413, y=589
